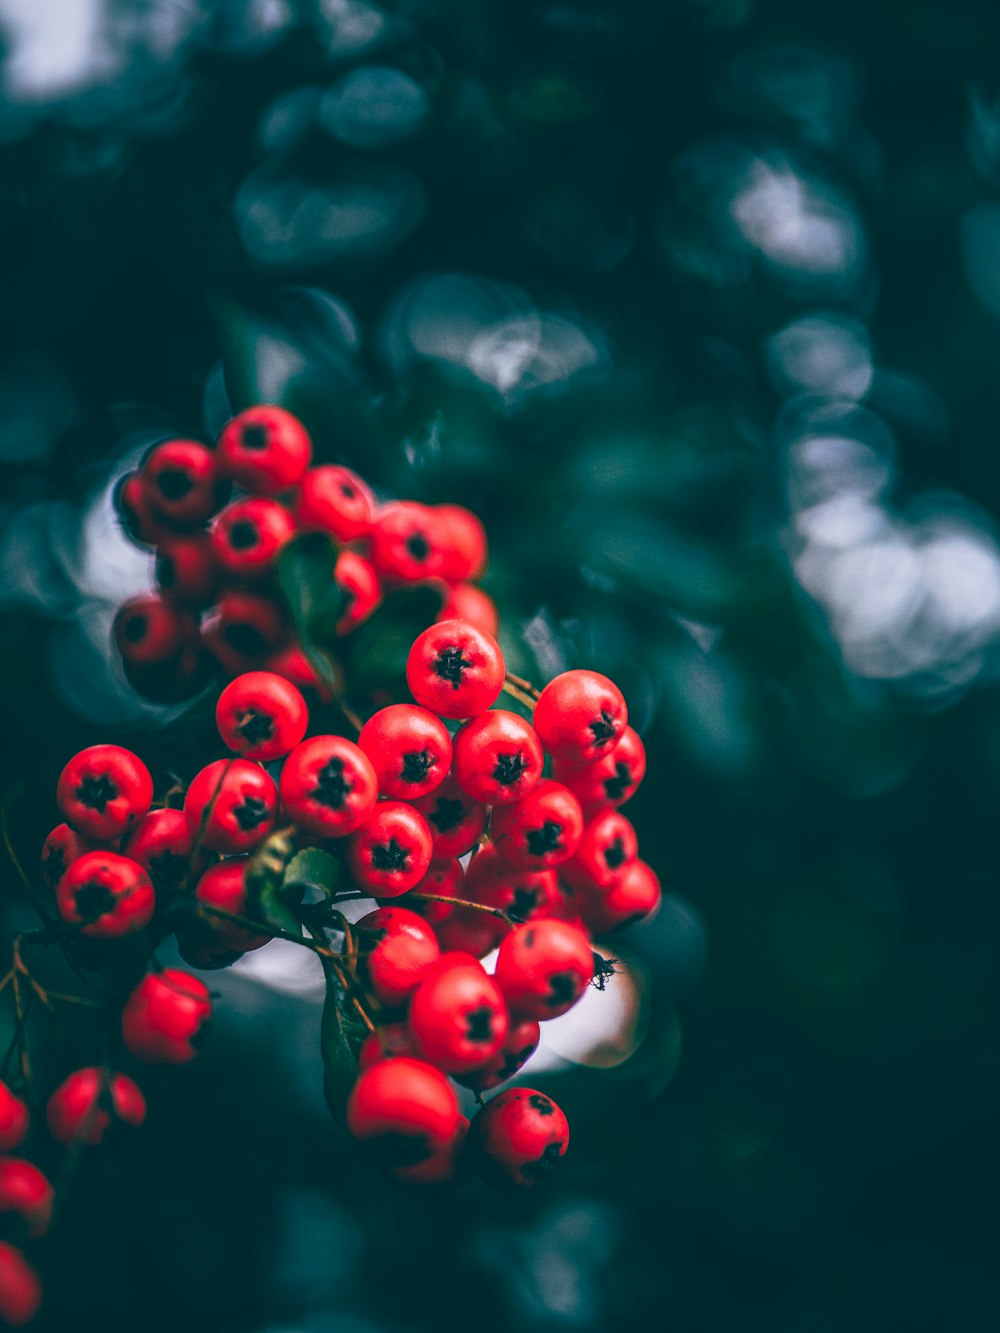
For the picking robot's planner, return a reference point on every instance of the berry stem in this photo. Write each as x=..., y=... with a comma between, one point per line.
x=520, y=695
x=261, y=928
x=524, y=685
x=460, y=902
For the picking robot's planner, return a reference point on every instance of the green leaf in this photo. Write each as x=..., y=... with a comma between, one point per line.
x=340, y=1064
x=265, y=881
x=375, y=654
x=315, y=601
x=315, y=869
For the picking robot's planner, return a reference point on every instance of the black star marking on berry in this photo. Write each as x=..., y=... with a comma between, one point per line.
x=513, y=1062
x=402, y=1149
x=509, y=768
x=548, y=838
x=620, y=784
x=347, y=489
x=245, y=639
x=255, y=437
x=522, y=904
x=250, y=812
x=447, y=814
x=450, y=664
x=93, y=900
x=332, y=788
x=174, y=483
x=243, y=535
x=614, y=854
x=562, y=989
x=134, y=629
x=255, y=727
x=53, y=867
x=603, y=728
x=538, y=1169
x=418, y=546
x=391, y=855
x=479, y=1024
x=541, y=1103
x=416, y=765
x=95, y=793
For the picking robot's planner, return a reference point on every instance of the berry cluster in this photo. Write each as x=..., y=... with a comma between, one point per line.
x=218, y=520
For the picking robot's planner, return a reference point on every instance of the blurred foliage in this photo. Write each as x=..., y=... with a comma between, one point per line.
x=696, y=303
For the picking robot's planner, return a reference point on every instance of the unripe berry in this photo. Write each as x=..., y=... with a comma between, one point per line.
x=328, y=786
x=261, y=716
x=607, y=847
x=59, y=850
x=148, y=630
x=264, y=449
x=231, y=805
x=410, y=750
x=182, y=482
x=165, y=1016
x=103, y=791
x=335, y=500
x=248, y=535
x=580, y=716
x=457, y=1015
x=456, y=821
x=404, y=542
x=609, y=781
x=498, y=757
x=26, y=1192
x=543, y=968
x=163, y=843
x=455, y=670
x=14, y=1119
x=362, y=588
x=518, y=1137
x=84, y=1106
x=521, y=1043
x=20, y=1289
x=397, y=948
x=543, y=829
x=404, y=1109
x=106, y=895
x=392, y=852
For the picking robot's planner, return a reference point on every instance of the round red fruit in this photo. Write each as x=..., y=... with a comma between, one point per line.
x=138, y=517
x=405, y=543
x=458, y=1016
x=498, y=757
x=543, y=968
x=610, y=781
x=410, y=750
x=249, y=624
x=247, y=536
x=521, y=1043
x=404, y=1109
x=223, y=887
x=335, y=500
x=20, y=1289
x=635, y=897
x=445, y=1167
x=518, y=1136
x=59, y=850
x=103, y=791
x=163, y=844
x=264, y=449
x=392, y=852
x=261, y=716
x=443, y=879
x=462, y=539
x=387, y=1043
x=397, y=947
x=455, y=670
x=543, y=829
x=26, y=1192
x=148, y=630
x=328, y=786
x=14, y=1119
x=186, y=570
x=467, y=602
x=456, y=822
x=106, y=895
x=580, y=716
x=86, y=1104
x=182, y=482
x=291, y=663
x=165, y=1016
x=231, y=805
x=362, y=589
x=606, y=849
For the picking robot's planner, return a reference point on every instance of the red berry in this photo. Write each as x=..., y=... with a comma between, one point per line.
x=518, y=1137
x=107, y=895
x=387, y=1043
x=525, y=895
x=607, y=847
x=462, y=539
x=250, y=625
x=165, y=1016
x=163, y=843
x=543, y=968
x=261, y=716
x=186, y=570
x=398, y=946
x=81, y=1108
x=139, y=519
x=521, y=1043
x=291, y=663
x=498, y=757
x=456, y=822
x=328, y=786
x=444, y=877
x=181, y=481
x=264, y=449
x=20, y=1289
x=542, y=829
x=467, y=602
x=609, y=781
x=405, y=542
x=580, y=716
x=405, y=1109
x=455, y=670
x=148, y=629
x=231, y=805
x=633, y=898
x=359, y=580
x=177, y=679
x=410, y=750
x=457, y=1015
x=335, y=500
x=392, y=852
x=444, y=1167
x=14, y=1119
x=26, y=1192
x=223, y=886
x=103, y=791
x=248, y=535
x=59, y=850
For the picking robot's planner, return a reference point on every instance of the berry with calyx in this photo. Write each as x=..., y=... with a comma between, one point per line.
x=405, y=542
x=517, y=1137
x=139, y=519
x=498, y=757
x=608, y=846
x=397, y=947
x=86, y=1104
x=59, y=850
x=609, y=781
x=106, y=895
x=231, y=805
x=454, y=669
x=541, y=830
x=261, y=716
x=163, y=843
x=25, y=1191
x=103, y=791
x=20, y=1289
x=264, y=449
x=455, y=820
x=249, y=625
x=164, y=1018
x=410, y=750
x=405, y=1110
x=335, y=500
x=457, y=1015
x=14, y=1119
x=635, y=897
x=328, y=786
x=391, y=853
x=544, y=967
x=580, y=716
x=148, y=630
x=182, y=482
x=247, y=536
x=523, y=1036
x=445, y=1167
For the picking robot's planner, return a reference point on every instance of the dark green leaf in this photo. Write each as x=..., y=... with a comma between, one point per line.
x=265, y=881
x=315, y=869
x=376, y=652
x=340, y=1065
x=315, y=600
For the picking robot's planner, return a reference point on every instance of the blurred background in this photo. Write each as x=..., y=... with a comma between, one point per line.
x=697, y=303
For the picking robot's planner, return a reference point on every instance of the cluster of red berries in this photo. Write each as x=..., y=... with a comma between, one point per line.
x=218, y=519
